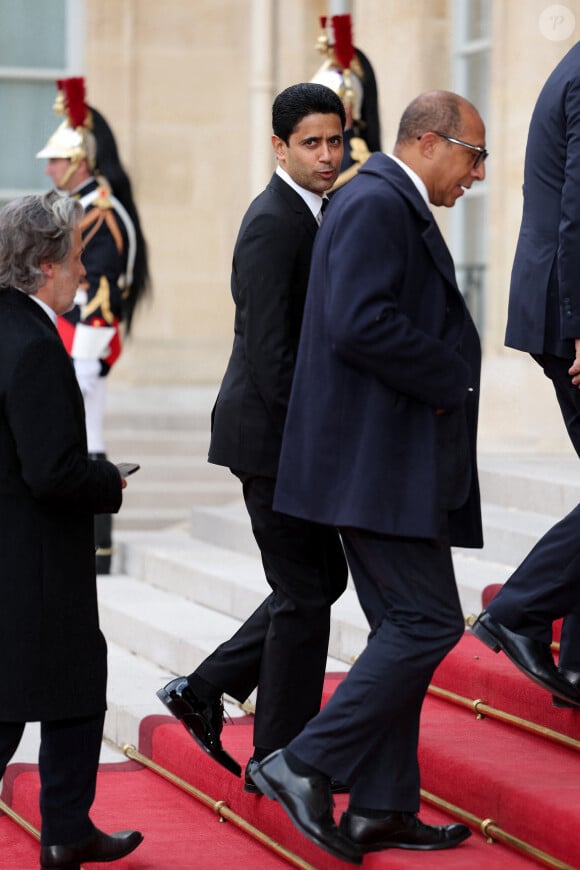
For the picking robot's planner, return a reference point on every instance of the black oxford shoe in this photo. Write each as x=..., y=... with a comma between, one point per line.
x=204, y=720
x=400, y=831
x=308, y=802
x=250, y=786
x=573, y=678
x=96, y=847
x=532, y=657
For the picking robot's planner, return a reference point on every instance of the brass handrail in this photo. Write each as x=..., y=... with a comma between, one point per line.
x=20, y=820
x=481, y=709
x=220, y=807
x=492, y=832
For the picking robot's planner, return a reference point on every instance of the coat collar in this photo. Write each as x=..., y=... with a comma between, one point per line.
x=23, y=300
x=383, y=167
x=292, y=199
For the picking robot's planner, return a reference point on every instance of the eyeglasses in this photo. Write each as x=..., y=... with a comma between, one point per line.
x=481, y=155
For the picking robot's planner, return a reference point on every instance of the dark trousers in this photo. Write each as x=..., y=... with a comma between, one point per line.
x=68, y=761
x=367, y=734
x=282, y=647
x=546, y=585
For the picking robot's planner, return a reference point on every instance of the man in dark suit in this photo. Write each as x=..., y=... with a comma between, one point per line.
x=544, y=320
x=380, y=442
x=282, y=647
x=54, y=657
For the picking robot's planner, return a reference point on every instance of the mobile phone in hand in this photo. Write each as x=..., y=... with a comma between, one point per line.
x=127, y=468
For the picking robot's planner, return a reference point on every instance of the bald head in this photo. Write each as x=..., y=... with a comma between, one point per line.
x=426, y=129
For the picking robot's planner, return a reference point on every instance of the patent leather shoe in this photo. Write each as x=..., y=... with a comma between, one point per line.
x=532, y=657
x=98, y=846
x=308, y=802
x=573, y=678
x=250, y=786
x=400, y=831
x=203, y=719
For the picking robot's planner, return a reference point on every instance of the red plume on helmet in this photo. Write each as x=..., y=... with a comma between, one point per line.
x=343, y=47
x=73, y=90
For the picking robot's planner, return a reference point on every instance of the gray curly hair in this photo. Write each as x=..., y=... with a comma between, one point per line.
x=35, y=230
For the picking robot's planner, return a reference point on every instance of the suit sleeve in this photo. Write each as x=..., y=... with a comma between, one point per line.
x=569, y=230
x=45, y=414
x=367, y=328
x=265, y=272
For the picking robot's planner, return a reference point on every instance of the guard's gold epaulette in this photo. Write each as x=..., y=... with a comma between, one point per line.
x=101, y=210
x=103, y=199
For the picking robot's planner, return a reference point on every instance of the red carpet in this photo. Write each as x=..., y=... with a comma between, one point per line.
x=527, y=784
x=180, y=832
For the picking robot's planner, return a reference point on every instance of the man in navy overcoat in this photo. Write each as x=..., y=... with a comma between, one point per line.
x=380, y=441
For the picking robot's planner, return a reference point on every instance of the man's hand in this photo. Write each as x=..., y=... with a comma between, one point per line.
x=574, y=369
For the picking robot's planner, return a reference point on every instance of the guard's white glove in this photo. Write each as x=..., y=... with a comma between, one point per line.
x=88, y=372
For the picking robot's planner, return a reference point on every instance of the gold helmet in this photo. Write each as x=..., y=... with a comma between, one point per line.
x=73, y=138
x=348, y=72
x=341, y=70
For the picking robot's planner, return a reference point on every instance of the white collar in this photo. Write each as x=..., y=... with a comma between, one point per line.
x=42, y=304
x=312, y=200
x=417, y=181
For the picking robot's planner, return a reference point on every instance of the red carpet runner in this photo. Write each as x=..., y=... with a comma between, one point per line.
x=528, y=784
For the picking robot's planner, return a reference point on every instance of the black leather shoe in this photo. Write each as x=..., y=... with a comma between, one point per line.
x=532, y=657
x=573, y=678
x=203, y=719
x=96, y=847
x=400, y=831
x=308, y=802
x=250, y=786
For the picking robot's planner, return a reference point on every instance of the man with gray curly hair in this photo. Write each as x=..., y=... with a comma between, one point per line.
x=54, y=657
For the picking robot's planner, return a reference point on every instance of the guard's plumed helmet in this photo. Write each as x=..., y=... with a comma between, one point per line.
x=73, y=138
x=348, y=72
x=340, y=70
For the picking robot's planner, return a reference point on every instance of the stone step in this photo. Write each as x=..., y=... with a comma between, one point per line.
x=545, y=484
x=232, y=582
x=167, y=444
x=178, y=632
x=510, y=534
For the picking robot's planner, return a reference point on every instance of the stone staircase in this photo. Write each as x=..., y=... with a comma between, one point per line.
x=187, y=569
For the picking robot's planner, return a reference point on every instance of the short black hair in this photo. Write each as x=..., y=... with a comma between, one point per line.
x=297, y=101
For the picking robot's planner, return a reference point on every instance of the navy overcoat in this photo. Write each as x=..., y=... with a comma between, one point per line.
x=386, y=342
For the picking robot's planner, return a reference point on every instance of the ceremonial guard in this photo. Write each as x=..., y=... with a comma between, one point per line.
x=348, y=72
x=83, y=160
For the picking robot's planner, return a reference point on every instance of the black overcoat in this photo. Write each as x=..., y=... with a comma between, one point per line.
x=52, y=652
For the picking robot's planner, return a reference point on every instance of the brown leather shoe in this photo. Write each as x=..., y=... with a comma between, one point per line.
x=399, y=831
x=98, y=846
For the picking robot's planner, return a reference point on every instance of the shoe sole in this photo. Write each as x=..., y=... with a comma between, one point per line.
x=495, y=645
x=264, y=786
x=76, y=865
x=182, y=712
x=435, y=847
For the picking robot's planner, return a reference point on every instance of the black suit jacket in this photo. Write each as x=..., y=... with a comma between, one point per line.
x=270, y=270
x=52, y=652
x=544, y=303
